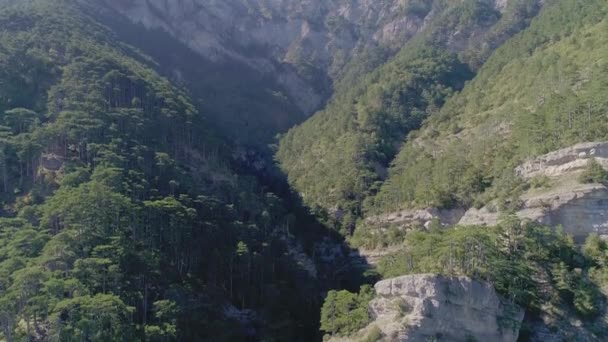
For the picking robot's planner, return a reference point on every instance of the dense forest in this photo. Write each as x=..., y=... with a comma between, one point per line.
x=555, y=101
x=149, y=191
x=340, y=156
x=533, y=266
x=123, y=216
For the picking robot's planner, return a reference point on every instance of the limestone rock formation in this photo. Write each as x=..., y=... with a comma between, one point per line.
x=566, y=160
x=297, y=41
x=426, y=306
x=417, y=217
x=581, y=209
x=287, y=38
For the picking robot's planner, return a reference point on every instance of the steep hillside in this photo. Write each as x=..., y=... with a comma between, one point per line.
x=560, y=286
x=541, y=91
x=122, y=218
x=281, y=60
x=339, y=157
x=258, y=67
x=491, y=158
x=503, y=184
x=305, y=44
x=138, y=200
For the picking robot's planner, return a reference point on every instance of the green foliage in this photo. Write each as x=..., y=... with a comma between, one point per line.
x=376, y=237
x=98, y=318
x=121, y=218
x=510, y=256
x=336, y=164
x=374, y=335
x=594, y=173
x=586, y=299
x=344, y=313
x=338, y=159
x=166, y=314
x=538, y=92
x=596, y=250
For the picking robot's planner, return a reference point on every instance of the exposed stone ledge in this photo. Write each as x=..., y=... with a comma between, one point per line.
x=566, y=160
x=418, y=217
x=581, y=209
x=426, y=306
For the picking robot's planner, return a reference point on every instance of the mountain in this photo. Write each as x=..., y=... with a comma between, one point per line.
x=339, y=157
x=499, y=120
x=125, y=215
x=245, y=170
x=299, y=52
x=520, y=147
x=283, y=56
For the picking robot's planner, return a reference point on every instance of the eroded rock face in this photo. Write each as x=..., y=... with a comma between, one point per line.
x=410, y=218
x=271, y=36
x=581, y=209
x=426, y=306
x=297, y=41
x=567, y=160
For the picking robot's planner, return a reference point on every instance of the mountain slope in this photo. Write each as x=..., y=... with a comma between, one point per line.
x=280, y=61
x=540, y=91
x=122, y=216
x=339, y=157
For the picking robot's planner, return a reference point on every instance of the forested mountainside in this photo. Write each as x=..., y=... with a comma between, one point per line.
x=340, y=156
x=497, y=162
x=299, y=50
x=454, y=150
x=304, y=50
x=123, y=217
x=541, y=91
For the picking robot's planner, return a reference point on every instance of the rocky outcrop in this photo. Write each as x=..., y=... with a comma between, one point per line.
x=581, y=209
x=564, y=161
x=427, y=306
x=410, y=218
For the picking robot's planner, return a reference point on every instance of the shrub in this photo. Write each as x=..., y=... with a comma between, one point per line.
x=344, y=312
x=594, y=173
x=374, y=335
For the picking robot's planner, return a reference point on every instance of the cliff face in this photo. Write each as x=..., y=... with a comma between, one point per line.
x=426, y=306
x=581, y=209
x=304, y=43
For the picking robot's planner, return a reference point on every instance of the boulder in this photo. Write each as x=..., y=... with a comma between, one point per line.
x=426, y=306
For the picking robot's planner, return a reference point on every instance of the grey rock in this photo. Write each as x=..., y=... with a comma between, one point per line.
x=564, y=161
x=425, y=306
x=409, y=218
x=286, y=37
x=581, y=209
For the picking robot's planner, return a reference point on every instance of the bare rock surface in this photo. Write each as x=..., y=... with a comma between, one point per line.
x=418, y=217
x=581, y=209
x=279, y=36
x=297, y=41
x=567, y=160
x=427, y=306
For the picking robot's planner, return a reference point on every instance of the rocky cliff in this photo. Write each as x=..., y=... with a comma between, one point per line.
x=581, y=209
x=431, y=307
x=305, y=44
x=298, y=41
